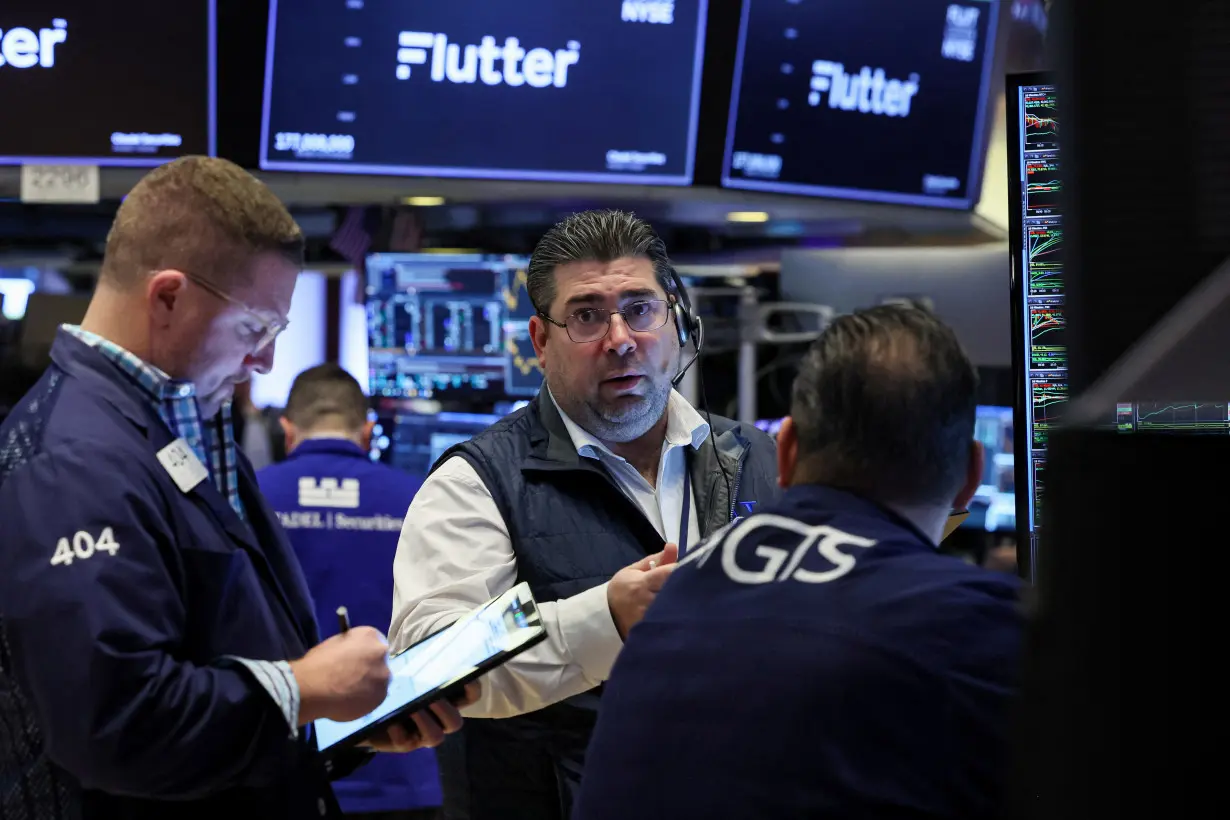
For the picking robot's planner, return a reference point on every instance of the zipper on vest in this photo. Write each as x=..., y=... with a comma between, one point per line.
x=734, y=495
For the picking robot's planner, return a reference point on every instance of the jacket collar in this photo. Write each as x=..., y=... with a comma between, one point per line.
x=833, y=499
x=103, y=379
x=564, y=442
x=549, y=440
x=327, y=446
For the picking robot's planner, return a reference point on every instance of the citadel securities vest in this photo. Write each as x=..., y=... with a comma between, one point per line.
x=572, y=528
x=343, y=514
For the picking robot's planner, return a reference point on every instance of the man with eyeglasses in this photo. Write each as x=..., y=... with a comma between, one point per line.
x=589, y=494
x=159, y=654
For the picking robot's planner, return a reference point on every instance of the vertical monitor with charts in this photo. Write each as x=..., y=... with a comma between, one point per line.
x=1040, y=348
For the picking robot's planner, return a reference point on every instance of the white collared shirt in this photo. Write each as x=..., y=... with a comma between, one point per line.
x=455, y=554
x=662, y=502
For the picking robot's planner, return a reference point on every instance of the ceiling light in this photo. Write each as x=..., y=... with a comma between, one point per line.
x=747, y=216
x=423, y=201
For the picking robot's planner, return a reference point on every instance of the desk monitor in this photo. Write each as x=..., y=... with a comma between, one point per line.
x=413, y=442
x=993, y=507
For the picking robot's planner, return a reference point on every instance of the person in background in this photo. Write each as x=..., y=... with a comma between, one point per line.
x=159, y=655
x=584, y=494
x=258, y=430
x=874, y=675
x=342, y=513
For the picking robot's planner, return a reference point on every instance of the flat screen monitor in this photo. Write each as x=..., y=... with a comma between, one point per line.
x=449, y=326
x=130, y=82
x=413, y=442
x=882, y=100
x=1039, y=349
x=522, y=375
x=963, y=285
x=596, y=91
x=993, y=507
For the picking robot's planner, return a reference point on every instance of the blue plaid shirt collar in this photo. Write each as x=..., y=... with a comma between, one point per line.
x=212, y=441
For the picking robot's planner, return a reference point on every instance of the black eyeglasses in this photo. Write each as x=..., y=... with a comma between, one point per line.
x=592, y=324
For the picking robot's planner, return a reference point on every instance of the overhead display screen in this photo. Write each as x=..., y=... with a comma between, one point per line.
x=594, y=91
x=880, y=100
x=111, y=83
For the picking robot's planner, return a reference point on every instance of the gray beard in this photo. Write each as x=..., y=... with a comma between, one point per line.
x=620, y=426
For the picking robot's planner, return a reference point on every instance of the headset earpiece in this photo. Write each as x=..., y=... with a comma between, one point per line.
x=681, y=307
x=682, y=326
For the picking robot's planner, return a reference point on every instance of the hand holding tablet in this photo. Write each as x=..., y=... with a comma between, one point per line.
x=427, y=728
x=433, y=679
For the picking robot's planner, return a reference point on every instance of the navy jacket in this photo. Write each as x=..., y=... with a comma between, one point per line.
x=572, y=528
x=343, y=514
x=819, y=659
x=117, y=698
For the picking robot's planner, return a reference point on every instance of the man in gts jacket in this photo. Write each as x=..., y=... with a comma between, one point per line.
x=820, y=658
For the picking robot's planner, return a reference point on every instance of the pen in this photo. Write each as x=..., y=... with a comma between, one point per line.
x=343, y=620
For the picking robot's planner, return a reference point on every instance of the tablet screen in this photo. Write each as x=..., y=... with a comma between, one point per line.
x=497, y=629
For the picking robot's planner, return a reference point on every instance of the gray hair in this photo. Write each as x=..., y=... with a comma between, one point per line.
x=594, y=236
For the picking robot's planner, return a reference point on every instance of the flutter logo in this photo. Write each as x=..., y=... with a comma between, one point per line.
x=659, y=12
x=509, y=64
x=24, y=48
x=870, y=91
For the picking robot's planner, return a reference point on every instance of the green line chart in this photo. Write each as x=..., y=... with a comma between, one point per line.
x=1183, y=417
x=1045, y=261
x=1048, y=398
x=1048, y=346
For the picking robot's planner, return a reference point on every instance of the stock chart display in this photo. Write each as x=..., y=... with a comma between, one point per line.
x=449, y=324
x=522, y=374
x=1040, y=283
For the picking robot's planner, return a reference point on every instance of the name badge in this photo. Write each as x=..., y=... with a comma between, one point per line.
x=182, y=465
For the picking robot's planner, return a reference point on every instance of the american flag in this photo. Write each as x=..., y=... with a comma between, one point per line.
x=407, y=232
x=353, y=238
